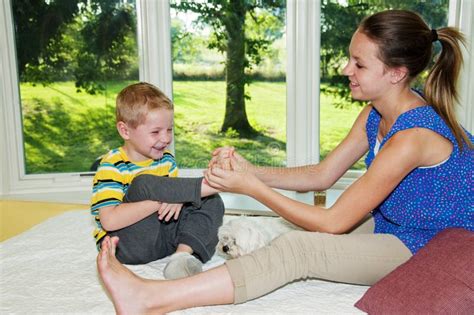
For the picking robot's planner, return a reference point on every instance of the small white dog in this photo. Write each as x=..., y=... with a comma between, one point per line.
x=245, y=234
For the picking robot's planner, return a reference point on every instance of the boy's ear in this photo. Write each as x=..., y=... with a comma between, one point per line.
x=398, y=74
x=122, y=129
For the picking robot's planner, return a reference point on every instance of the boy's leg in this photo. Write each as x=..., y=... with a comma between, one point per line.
x=200, y=217
x=349, y=258
x=138, y=242
x=151, y=239
x=197, y=227
x=165, y=189
x=197, y=230
x=198, y=221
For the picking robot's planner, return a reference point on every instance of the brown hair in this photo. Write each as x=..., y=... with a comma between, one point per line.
x=404, y=39
x=136, y=100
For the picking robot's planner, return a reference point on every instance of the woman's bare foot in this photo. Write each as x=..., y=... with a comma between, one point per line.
x=130, y=294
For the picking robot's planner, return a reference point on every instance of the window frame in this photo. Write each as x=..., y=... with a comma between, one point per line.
x=155, y=66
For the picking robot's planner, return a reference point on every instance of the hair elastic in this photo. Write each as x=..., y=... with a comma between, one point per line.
x=434, y=35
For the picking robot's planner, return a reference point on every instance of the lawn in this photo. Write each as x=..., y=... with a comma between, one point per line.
x=65, y=131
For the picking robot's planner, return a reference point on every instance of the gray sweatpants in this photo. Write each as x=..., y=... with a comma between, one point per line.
x=151, y=239
x=360, y=257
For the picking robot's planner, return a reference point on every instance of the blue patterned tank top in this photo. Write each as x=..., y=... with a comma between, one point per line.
x=428, y=199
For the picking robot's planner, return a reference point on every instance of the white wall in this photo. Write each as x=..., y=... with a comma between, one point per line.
x=466, y=100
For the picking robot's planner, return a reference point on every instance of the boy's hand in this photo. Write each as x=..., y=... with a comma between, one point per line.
x=169, y=210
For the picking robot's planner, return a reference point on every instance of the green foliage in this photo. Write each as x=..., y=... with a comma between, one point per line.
x=338, y=23
x=40, y=50
x=89, y=41
x=186, y=45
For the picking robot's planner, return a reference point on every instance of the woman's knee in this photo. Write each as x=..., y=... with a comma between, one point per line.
x=289, y=252
x=293, y=237
x=303, y=243
x=293, y=242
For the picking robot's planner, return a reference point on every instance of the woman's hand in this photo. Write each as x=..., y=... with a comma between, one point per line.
x=221, y=158
x=234, y=181
x=228, y=159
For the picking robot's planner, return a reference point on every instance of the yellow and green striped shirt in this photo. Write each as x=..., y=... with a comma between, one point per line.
x=114, y=175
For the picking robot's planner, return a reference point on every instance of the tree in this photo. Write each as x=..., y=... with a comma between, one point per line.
x=108, y=44
x=40, y=51
x=85, y=40
x=185, y=44
x=227, y=19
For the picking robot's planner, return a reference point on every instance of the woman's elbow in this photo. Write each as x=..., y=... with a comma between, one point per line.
x=335, y=229
x=330, y=225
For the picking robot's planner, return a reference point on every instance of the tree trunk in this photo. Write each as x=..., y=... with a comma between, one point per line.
x=235, y=114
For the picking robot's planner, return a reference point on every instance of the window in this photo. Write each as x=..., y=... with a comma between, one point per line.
x=72, y=60
x=152, y=54
x=229, y=80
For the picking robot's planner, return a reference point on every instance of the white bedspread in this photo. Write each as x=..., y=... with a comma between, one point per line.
x=51, y=269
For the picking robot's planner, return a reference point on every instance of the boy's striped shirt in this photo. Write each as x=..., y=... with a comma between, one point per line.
x=114, y=175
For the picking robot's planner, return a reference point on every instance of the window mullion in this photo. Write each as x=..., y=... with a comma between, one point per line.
x=303, y=42
x=13, y=147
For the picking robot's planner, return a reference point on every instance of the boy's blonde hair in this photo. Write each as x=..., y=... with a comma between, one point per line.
x=136, y=100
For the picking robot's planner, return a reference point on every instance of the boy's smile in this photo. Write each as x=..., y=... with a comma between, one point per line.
x=150, y=139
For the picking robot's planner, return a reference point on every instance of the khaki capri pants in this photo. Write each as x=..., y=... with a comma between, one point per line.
x=360, y=257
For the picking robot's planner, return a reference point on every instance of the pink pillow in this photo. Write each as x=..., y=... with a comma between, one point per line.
x=439, y=279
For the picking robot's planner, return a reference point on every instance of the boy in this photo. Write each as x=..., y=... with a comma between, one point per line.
x=137, y=196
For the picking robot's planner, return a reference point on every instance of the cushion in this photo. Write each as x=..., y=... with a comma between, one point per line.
x=438, y=279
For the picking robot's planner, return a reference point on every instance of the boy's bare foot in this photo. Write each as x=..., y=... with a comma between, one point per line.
x=128, y=292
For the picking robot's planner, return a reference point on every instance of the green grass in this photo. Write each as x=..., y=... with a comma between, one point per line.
x=65, y=131
x=199, y=113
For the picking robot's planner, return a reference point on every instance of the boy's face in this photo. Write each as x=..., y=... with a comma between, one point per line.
x=150, y=139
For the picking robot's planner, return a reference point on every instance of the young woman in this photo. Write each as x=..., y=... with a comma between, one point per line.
x=418, y=181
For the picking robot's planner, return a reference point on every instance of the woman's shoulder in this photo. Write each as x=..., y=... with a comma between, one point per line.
x=366, y=113
x=422, y=117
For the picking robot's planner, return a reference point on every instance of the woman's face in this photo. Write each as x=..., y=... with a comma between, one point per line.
x=369, y=77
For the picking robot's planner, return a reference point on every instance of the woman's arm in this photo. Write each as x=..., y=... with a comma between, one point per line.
x=315, y=177
x=399, y=156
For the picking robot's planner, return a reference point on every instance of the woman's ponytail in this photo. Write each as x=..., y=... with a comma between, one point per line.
x=440, y=88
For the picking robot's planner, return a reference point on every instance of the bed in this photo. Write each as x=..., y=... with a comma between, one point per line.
x=51, y=269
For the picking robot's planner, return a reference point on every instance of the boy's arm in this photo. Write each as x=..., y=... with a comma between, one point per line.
x=125, y=214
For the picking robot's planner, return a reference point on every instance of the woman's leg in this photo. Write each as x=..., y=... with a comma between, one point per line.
x=134, y=295
x=349, y=258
